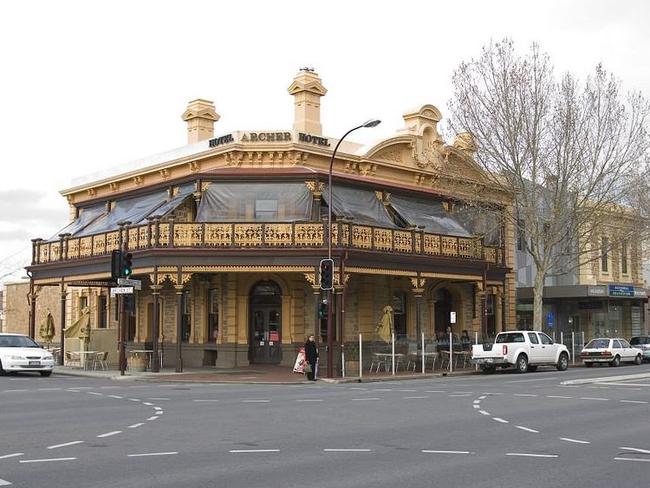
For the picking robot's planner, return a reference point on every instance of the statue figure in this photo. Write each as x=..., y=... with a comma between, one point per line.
x=46, y=330
x=385, y=328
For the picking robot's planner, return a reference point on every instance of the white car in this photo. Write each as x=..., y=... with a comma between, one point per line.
x=20, y=353
x=611, y=351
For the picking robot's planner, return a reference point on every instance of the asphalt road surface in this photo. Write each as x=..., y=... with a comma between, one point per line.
x=501, y=430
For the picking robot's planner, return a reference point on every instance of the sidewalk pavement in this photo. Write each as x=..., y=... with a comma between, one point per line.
x=257, y=374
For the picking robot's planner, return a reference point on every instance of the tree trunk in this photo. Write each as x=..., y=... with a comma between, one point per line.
x=538, y=298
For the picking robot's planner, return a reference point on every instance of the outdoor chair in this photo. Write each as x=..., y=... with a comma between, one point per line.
x=99, y=359
x=72, y=359
x=412, y=355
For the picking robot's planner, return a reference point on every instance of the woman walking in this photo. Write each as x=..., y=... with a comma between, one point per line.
x=311, y=357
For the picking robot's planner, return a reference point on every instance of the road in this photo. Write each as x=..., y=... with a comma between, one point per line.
x=501, y=430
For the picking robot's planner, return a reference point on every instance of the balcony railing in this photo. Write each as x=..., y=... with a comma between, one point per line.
x=293, y=235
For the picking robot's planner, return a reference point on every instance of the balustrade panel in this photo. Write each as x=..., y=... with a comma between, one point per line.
x=218, y=235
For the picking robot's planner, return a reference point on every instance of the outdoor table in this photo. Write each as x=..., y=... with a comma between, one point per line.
x=85, y=356
x=385, y=357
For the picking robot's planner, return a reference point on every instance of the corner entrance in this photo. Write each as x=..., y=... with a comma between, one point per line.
x=265, y=323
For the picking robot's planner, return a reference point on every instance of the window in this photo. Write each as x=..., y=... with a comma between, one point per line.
x=624, y=257
x=533, y=338
x=545, y=339
x=186, y=317
x=399, y=315
x=510, y=337
x=266, y=210
x=604, y=257
x=617, y=345
x=83, y=302
x=102, y=315
x=624, y=343
x=213, y=314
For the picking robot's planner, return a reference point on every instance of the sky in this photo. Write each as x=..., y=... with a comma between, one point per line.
x=88, y=86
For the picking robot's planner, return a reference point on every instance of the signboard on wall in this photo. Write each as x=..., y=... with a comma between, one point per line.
x=621, y=291
x=452, y=317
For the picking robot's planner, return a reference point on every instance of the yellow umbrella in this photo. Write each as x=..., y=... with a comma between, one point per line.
x=385, y=328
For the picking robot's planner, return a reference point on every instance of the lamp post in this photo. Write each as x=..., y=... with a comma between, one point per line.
x=330, y=339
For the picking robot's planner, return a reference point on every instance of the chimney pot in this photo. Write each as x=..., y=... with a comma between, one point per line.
x=200, y=117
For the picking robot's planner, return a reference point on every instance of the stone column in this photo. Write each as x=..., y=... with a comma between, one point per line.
x=62, y=322
x=155, y=359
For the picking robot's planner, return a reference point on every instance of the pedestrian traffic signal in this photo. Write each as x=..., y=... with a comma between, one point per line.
x=326, y=274
x=322, y=310
x=127, y=265
x=116, y=265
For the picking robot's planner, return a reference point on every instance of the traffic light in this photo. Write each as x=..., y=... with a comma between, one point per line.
x=116, y=265
x=322, y=310
x=127, y=265
x=326, y=274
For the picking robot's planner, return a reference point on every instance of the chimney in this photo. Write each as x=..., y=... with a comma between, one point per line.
x=307, y=90
x=200, y=117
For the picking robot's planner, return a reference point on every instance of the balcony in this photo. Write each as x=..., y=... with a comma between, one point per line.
x=293, y=235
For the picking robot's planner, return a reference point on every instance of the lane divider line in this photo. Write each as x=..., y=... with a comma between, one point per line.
x=498, y=419
x=429, y=451
x=634, y=449
x=256, y=401
x=48, y=460
x=73, y=443
x=242, y=451
x=15, y=454
x=524, y=454
x=483, y=412
x=416, y=397
x=525, y=395
x=527, y=429
x=575, y=441
x=135, y=426
x=632, y=401
x=595, y=398
x=153, y=418
x=347, y=450
x=109, y=434
x=170, y=453
x=558, y=396
x=363, y=399
x=632, y=459
x=310, y=400
x=205, y=401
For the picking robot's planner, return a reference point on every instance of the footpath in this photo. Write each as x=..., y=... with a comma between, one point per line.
x=258, y=374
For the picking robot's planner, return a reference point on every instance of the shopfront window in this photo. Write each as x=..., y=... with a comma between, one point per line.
x=213, y=314
x=186, y=316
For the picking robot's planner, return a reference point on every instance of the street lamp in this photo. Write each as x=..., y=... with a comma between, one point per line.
x=330, y=204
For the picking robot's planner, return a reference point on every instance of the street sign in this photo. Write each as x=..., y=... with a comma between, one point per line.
x=137, y=284
x=121, y=290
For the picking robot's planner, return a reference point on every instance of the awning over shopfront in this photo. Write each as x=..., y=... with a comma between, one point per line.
x=362, y=206
x=255, y=202
x=429, y=214
x=133, y=209
x=87, y=215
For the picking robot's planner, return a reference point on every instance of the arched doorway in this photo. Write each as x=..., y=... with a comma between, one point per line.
x=265, y=323
x=443, y=311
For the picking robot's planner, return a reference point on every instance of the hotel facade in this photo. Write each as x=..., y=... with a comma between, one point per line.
x=227, y=233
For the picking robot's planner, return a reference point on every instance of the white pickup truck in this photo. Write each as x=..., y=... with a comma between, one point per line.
x=524, y=350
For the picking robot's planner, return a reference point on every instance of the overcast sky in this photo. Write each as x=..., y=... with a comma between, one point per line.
x=89, y=85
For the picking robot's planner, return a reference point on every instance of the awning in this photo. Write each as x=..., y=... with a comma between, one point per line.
x=133, y=209
x=255, y=202
x=87, y=215
x=184, y=192
x=427, y=213
x=360, y=205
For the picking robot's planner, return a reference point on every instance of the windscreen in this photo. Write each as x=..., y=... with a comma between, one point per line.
x=598, y=344
x=510, y=337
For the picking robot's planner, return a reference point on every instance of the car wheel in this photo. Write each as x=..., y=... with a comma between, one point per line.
x=488, y=369
x=615, y=362
x=522, y=363
x=532, y=369
x=46, y=373
x=638, y=360
x=563, y=362
x=589, y=365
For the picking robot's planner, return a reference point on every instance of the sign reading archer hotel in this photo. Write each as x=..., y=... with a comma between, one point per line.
x=270, y=137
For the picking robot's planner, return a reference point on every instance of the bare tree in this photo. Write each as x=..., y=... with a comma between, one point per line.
x=569, y=151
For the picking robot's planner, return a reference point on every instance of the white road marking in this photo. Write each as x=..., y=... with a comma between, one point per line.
x=109, y=387
x=95, y=393
x=157, y=408
x=148, y=404
x=435, y=391
x=460, y=395
x=135, y=426
x=428, y=451
x=463, y=392
x=635, y=449
x=498, y=419
x=524, y=454
x=109, y=434
x=4, y=482
x=594, y=398
x=632, y=459
x=534, y=379
x=525, y=395
x=483, y=412
x=357, y=388
x=527, y=429
x=476, y=406
x=15, y=454
x=159, y=412
x=116, y=396
x=160, y=398
x=482, y=397
x=49, y=460
x=134, y=399
x=626, y=384
x=576, y=441
x=382, y=389
x=310, y=400
x=239, y=451
x=407, y=391
x=170, y=453
x=49, y=389
x=256, y=401
x=153, y=418
x=347, y=450
x=557, y=396
x=56, y=446
x=14, y=391
x=632, y=401
x=206, y=400
x=477, y=401
x=489, y=393
x=363, y=399
x=416, y=397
